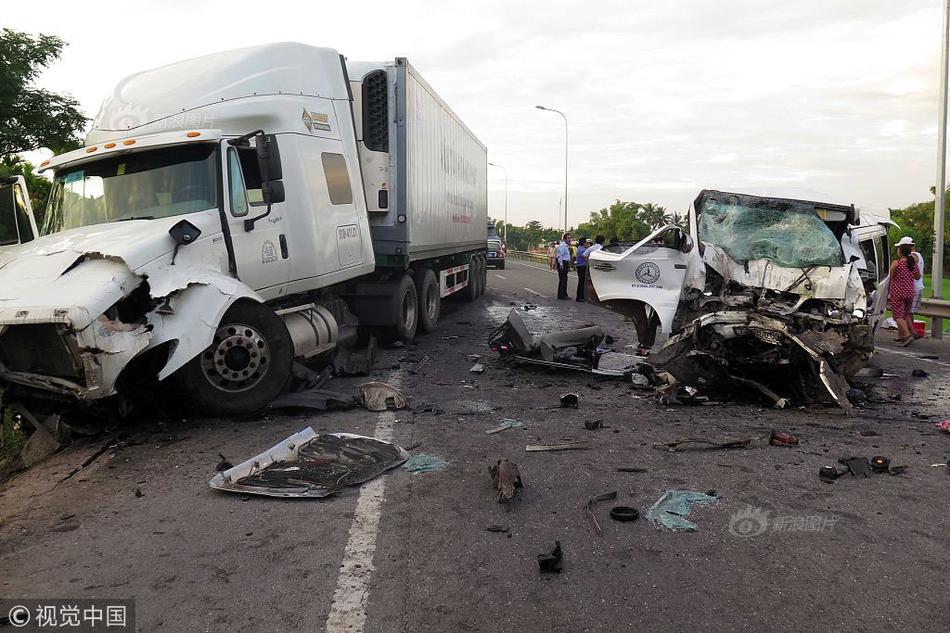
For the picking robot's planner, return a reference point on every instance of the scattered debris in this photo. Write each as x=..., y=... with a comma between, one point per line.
x=781, y=438
x=317, y=399
x=919, y=373
x=880, y=464
x=528, y=307
x=506, y=478
x=593, y=425
x=672, y=508
x=506, y=423
x=589, y=509
x=944, y=426
x=631, y=470
x=860, y=466
x=929, y=357
x=378, y=396
x=310, y=465
x=857, y=466
x=673, y=447
x=473, y=357
x=424, y=463
x=139, y=493
x=564, y=446
x=427, y=407
x=224, y=464
x=477, y=368
x=624, y=513
x=569, y=401
x=498, y=528
x=869, y=372
x=829, y=473
x=551, y=563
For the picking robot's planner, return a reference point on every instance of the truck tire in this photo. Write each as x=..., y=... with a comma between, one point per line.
x=501, y=265
x=430, y=300
x=471, y=290
x=246, y=366
x=484, y=279
x=403, y=311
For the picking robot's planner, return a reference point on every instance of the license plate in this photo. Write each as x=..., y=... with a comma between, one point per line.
x=491, y=253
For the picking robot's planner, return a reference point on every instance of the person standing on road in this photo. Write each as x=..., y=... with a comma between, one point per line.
x=918, y=283
x=552, y=256
x=580, y=261
x=901, y=292
x=563, y=256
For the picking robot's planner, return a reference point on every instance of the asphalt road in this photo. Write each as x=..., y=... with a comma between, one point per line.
x=778, y=550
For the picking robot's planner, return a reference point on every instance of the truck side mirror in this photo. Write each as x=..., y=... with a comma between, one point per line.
x=184, y=233
x=686, y=242
x=268, y=157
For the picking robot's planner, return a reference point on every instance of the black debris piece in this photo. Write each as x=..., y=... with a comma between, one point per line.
x=570, y=401
x=857, y=466
x=551, y=563
x=624, y=513
x=593, y=425
x=497, y=528
x=919, y=373
x=224, y=464
x=316, y=399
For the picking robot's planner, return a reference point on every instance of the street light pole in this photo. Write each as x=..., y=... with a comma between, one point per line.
x=540, y=107
x=936, y=330
x=505, y=233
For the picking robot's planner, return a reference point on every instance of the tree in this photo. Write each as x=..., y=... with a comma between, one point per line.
x=34, y=118
x=917, y=221
x=622, y=220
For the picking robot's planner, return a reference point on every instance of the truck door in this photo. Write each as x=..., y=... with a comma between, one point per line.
x=261, y=255
x=652, y=271
x=17, y=224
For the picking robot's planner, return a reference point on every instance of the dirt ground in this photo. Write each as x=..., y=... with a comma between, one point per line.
x=778, y=550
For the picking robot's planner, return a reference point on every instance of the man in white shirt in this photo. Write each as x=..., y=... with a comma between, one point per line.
x=597, y=245
x=918, y=283
x=563, y=255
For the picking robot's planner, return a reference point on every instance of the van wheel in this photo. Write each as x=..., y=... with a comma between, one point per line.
x=471, y=290
x=403, y=312
x=430, y=300
x=246, y=366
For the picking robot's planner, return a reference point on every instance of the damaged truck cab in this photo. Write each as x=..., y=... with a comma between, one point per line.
x=774, y=294
x=216, y=226
x=17, y=224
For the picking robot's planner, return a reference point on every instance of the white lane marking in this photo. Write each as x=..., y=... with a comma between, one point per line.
x=534, y=292
x=500, y=277
x=348, y=610
x=909, y=355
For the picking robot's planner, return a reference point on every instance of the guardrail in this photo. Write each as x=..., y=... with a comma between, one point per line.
x=938, y=308
x=533, y=257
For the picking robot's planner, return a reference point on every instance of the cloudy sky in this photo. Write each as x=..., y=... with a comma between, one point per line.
x=837, y=97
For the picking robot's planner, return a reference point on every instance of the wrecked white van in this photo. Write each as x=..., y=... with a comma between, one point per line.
x=774, y=294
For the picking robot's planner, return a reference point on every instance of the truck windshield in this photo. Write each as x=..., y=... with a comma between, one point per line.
x=149, y=184
x=788, y=233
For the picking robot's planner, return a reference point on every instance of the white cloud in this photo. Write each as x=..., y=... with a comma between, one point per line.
x=663, y=99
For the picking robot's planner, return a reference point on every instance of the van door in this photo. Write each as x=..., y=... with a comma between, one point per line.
x=652, y=271
x=261, y=255
x=17, y=225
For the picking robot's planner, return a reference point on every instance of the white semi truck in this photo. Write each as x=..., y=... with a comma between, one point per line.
x=233, y=212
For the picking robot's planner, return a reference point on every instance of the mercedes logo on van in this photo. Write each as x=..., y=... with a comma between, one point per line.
x=648, y=273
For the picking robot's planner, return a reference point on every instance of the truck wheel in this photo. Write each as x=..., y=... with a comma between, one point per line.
x=501, y=265
x=430, y=300
x=246, y=366
x=404, y=311
x=471, y=290
x=484, y=279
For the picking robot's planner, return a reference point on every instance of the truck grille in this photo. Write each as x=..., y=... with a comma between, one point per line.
x=38, y=349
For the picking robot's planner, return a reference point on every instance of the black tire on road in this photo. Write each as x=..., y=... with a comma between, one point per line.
x=471, y=290
x=484, y=276
x=430, y=300
x=501, y=265
x=247, y=365
x=403, y=311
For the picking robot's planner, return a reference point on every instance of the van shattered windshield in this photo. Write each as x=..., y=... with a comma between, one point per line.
x=787, y=232
x=143, y=185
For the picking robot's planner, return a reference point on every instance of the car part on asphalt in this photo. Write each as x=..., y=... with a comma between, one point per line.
x=506, y=478
x=589, y=509
x=378, y=396
x=563, y=446
x=632, y=470
x=424, y=463
x=506, y=423
x=316, y=399
x=857, y=466
x=498, y=528
x=880, y=464
x=674, y=447
x=593, y=425
x=781, y=438
x=310, y=465
x=673, y=506
x=477, y=368
x=919, y=373
x=570, y=401
x=624, y=513
x=551, y=563
x=828, y=474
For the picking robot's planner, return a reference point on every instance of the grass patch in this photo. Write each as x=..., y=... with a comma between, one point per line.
x=12, y=441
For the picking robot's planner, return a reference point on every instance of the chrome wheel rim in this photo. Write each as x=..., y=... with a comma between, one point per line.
x=237, y=359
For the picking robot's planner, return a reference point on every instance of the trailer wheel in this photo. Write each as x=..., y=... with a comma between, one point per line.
x=430, y=300
x=471, y=290
x=484, y=278
x=404, y=311
x=246, y=366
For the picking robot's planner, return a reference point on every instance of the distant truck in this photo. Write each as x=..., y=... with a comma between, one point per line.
x=233, y=212
x=17, y=224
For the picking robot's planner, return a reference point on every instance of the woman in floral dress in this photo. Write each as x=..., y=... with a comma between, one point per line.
x=901, y=291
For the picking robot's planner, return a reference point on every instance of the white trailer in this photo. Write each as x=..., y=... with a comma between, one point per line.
x=228, y=215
